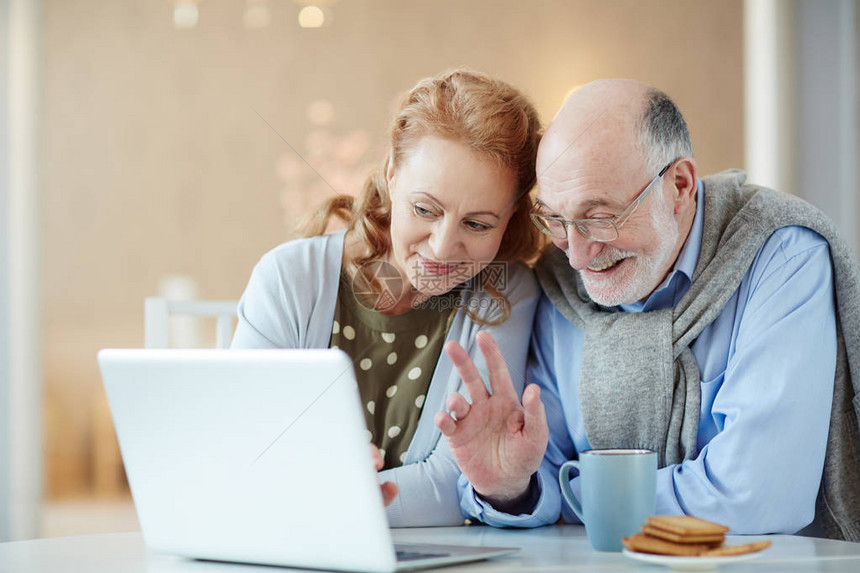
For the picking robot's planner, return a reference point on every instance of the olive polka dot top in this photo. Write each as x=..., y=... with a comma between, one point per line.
x=394, y=358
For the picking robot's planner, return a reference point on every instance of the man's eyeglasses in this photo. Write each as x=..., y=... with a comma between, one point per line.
x=601, y=230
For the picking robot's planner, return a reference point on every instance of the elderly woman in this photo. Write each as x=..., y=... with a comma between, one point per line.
x=433, y=251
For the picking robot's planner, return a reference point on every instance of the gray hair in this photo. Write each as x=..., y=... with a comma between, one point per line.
x=663, y=134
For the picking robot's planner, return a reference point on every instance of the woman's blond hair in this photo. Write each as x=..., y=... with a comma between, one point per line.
x=491, y=117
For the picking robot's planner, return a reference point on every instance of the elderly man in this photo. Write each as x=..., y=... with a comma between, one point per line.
x=710, y=320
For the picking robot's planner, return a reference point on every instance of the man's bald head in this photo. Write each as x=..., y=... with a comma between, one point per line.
x=615, y=122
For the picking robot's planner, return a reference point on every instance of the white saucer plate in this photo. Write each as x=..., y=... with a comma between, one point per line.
x=689, y=563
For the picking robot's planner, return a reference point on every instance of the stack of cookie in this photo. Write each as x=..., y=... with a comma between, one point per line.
x=685, y=535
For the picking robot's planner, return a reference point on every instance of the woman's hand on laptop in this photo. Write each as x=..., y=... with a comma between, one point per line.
x=389, y=489
x=497, y=442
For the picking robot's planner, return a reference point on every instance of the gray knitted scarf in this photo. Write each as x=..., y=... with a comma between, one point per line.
x=639, y=383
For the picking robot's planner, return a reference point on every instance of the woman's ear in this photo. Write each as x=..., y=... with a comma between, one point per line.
x=389, y=170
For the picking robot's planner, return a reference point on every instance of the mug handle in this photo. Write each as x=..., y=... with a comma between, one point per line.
x=564, y=482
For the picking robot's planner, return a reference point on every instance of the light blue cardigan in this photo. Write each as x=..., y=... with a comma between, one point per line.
x=289, y=303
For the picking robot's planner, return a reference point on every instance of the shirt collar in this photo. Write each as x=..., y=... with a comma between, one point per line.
x=676, y=284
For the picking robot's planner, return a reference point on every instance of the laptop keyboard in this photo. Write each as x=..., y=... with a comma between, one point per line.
x=413, y=555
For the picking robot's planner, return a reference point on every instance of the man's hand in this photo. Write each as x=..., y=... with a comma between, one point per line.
x=389, y=489
x=497, y=442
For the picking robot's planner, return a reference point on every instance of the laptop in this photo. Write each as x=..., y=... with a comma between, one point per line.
x=256, y=456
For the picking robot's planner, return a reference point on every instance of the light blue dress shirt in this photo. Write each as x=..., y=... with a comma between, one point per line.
x=767, y=366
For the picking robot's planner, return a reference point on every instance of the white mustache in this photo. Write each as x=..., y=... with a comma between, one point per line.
x=609, y=258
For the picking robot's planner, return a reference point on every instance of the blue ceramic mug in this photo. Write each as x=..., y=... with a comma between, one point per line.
x=619, y=490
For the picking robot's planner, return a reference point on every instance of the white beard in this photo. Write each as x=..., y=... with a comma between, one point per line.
x=642, y=272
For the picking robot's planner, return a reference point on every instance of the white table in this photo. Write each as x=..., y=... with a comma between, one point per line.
x=557, y=548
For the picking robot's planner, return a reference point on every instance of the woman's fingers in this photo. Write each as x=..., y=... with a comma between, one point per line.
x=389, y=489
x=467, y=371
x=378, y=462
x=389, y=492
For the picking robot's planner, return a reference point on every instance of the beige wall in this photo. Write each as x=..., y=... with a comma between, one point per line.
x=156, y=162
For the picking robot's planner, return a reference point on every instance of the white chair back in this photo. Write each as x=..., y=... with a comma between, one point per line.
x=157, y=313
